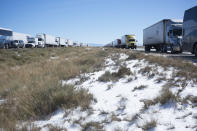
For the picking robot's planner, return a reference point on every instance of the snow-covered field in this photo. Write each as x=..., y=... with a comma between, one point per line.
x=120, y=104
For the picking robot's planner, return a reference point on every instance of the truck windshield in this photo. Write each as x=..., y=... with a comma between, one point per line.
x=177, y=32
x=39, y=39
x=30, y=41
x=131, y=40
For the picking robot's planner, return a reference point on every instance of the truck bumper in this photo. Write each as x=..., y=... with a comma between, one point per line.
x=132, y=45
x=177, y=48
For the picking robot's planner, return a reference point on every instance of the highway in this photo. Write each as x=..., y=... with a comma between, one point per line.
x=185, y=55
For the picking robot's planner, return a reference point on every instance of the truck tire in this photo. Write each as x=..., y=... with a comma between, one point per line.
x=195, y=50
x=157, y=49
x=6, y=46
x=163, y=49
x=147, y=49
x=172, y=50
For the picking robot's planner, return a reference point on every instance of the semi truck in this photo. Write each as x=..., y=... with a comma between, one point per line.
x=46, y=40
x=117, y=43
x=19, y=40
x=165, y=35
x=76, y=44
x=69, y=42
x=6, y=37
x=32, y=42
x=61, y=42
x=190, y=31
x=128, y=41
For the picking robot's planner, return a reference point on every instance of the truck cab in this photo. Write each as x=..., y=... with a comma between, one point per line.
x=174, y=33
x=31, y=42
x=6, y=37
x=129, y=41
x=40, y=41
x=190, y=31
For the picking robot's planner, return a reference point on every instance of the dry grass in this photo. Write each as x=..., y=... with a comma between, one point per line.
x=92, y=126
x=31, y=81
x=105, y=77
x=114, y=117
x=165, y=96
x=149, y=71
x=141, y=87
x=115, y=76
x=185, y=69
x=148, y=124
x=38, y=103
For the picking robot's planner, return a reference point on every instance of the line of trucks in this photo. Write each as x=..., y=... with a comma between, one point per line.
x=127, y=41
x=10, y=39
x=168, y=35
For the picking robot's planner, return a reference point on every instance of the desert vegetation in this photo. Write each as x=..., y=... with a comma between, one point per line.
x=31, y=81
x=34, y=86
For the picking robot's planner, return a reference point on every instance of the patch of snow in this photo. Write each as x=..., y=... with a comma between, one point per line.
x=3, y=101
x=54, y=57
x=123, y=56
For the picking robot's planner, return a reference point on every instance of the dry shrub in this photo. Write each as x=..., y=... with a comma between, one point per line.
x=141, y=87
x=114, y=117
x=36, y=103
x=123, y=71
x=115, y=76
x=92, y=126
x=31, y=81
x=135, y=55
x=147, y=125
x=185, y=69
x=148, y=71
x=165, y=96
x=105, y=77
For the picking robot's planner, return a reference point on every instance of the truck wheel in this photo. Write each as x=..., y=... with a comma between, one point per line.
x=195, y=50
x=172, y=50
x=6, y=46
x=157, y=49
x=147, y=49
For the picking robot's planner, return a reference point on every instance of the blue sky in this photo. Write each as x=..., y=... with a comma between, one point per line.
x=92, y=21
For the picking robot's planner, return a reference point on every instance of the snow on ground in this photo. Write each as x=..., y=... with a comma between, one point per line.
x=120, y=105
x=2, y=101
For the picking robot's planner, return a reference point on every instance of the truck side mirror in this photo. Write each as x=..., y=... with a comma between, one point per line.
x=168, y=33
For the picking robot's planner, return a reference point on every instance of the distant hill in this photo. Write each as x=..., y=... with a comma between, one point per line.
x=95, y=45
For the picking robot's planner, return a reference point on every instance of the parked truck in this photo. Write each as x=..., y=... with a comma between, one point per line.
x=117, y=43
x=69, y=42
x=128, y=41
x=61, y=42
x=19, y=40
x=32, y=42
x=166, y=35
x=6, y=37
x=190, y=31
x=46, y=40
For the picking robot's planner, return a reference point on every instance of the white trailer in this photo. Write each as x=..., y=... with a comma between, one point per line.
x=163, y=36
x=61, y=42
x=76, y=44
x=19, y=39
x=69, y=42
x=117, y=43
x=6, y=37
x=46, y=40
x=32, y=42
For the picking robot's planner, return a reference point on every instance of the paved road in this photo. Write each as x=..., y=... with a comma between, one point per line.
x=185, y=55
